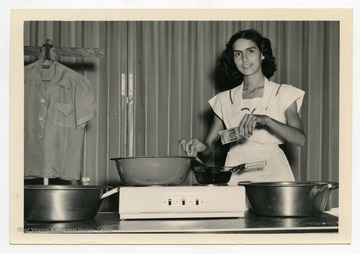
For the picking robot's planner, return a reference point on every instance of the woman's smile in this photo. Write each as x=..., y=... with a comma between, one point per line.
x=245, y=66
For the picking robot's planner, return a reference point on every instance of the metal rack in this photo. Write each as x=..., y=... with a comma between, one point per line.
x=47, y=47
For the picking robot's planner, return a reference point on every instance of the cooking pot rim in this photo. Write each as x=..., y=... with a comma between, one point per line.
x=65, y=187
x=152, y=157
x=285, y=183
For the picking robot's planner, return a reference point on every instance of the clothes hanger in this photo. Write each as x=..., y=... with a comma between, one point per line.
x=47, y=54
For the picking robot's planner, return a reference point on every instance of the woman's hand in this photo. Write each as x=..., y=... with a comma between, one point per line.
x=292, y=131
x=249, y=122
x=193, y=146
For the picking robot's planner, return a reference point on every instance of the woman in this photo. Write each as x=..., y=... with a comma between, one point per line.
x=266, y=113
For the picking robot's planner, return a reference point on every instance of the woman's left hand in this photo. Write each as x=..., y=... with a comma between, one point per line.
x=249, y=122
x=292, y=131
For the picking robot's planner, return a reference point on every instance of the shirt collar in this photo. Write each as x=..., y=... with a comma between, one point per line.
x=59, y=79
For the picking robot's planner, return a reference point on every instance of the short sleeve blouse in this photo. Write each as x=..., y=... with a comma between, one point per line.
x=230, y=107
x=55, y=120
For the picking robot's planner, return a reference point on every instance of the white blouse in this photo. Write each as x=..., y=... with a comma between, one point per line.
x=230, y=107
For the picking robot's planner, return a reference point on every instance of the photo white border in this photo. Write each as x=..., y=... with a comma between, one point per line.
x=16, y=133
x=345, y=96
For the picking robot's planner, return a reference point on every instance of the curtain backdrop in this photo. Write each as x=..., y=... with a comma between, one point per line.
x=172, y=66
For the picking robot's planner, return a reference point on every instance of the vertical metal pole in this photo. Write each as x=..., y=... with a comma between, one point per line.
x=130, y=116
x=123, y=117
x=131, y=92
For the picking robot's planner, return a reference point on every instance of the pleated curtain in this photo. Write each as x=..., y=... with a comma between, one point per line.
x=153, y=86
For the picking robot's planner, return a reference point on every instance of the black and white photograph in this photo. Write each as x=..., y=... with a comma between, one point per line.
x=125, y=104
x=199, y=127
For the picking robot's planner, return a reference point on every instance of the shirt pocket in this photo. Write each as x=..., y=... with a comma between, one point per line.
x=64, y=115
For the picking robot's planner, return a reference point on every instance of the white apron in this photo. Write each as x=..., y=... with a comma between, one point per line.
x=262, y=145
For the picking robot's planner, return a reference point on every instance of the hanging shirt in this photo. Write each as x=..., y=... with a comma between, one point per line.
x=58, y=104
x=263, y=144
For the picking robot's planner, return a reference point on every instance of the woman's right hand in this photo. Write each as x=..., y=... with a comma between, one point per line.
x=193, y=146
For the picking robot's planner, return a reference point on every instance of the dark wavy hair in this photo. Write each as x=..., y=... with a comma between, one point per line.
x=226, y=59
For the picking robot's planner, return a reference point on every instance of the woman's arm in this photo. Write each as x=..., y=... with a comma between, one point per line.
x=292, y=131
x=194, y=146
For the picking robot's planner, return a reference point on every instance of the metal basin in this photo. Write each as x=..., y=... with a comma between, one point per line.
x=287, y=199
x=63, y=202
x=142, y=171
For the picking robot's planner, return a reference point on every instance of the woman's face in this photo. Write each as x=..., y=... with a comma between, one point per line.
x=247, y=57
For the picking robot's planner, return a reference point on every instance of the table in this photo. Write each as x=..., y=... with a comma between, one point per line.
x=109, y=222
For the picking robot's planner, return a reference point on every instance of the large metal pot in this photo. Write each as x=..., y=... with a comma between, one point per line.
x=166, y=170
x=285, y=199
x=63, y=202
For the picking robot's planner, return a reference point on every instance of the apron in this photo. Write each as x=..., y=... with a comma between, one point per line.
x=277, y=166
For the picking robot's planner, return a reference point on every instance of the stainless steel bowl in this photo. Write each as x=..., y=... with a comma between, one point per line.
x=62, y=202
x=141, y=171
x=286, y=199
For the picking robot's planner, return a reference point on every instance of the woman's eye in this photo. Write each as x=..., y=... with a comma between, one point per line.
x=251, y=51
x=236, y=54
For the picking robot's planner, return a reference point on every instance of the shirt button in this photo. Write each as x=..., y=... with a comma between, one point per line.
x=42, y=100
x=40, y=137
x=41, y=118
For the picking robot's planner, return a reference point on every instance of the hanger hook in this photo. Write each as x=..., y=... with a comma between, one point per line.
x=48, y=45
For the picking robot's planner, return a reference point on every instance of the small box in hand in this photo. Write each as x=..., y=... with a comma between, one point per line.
x=230, y=135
